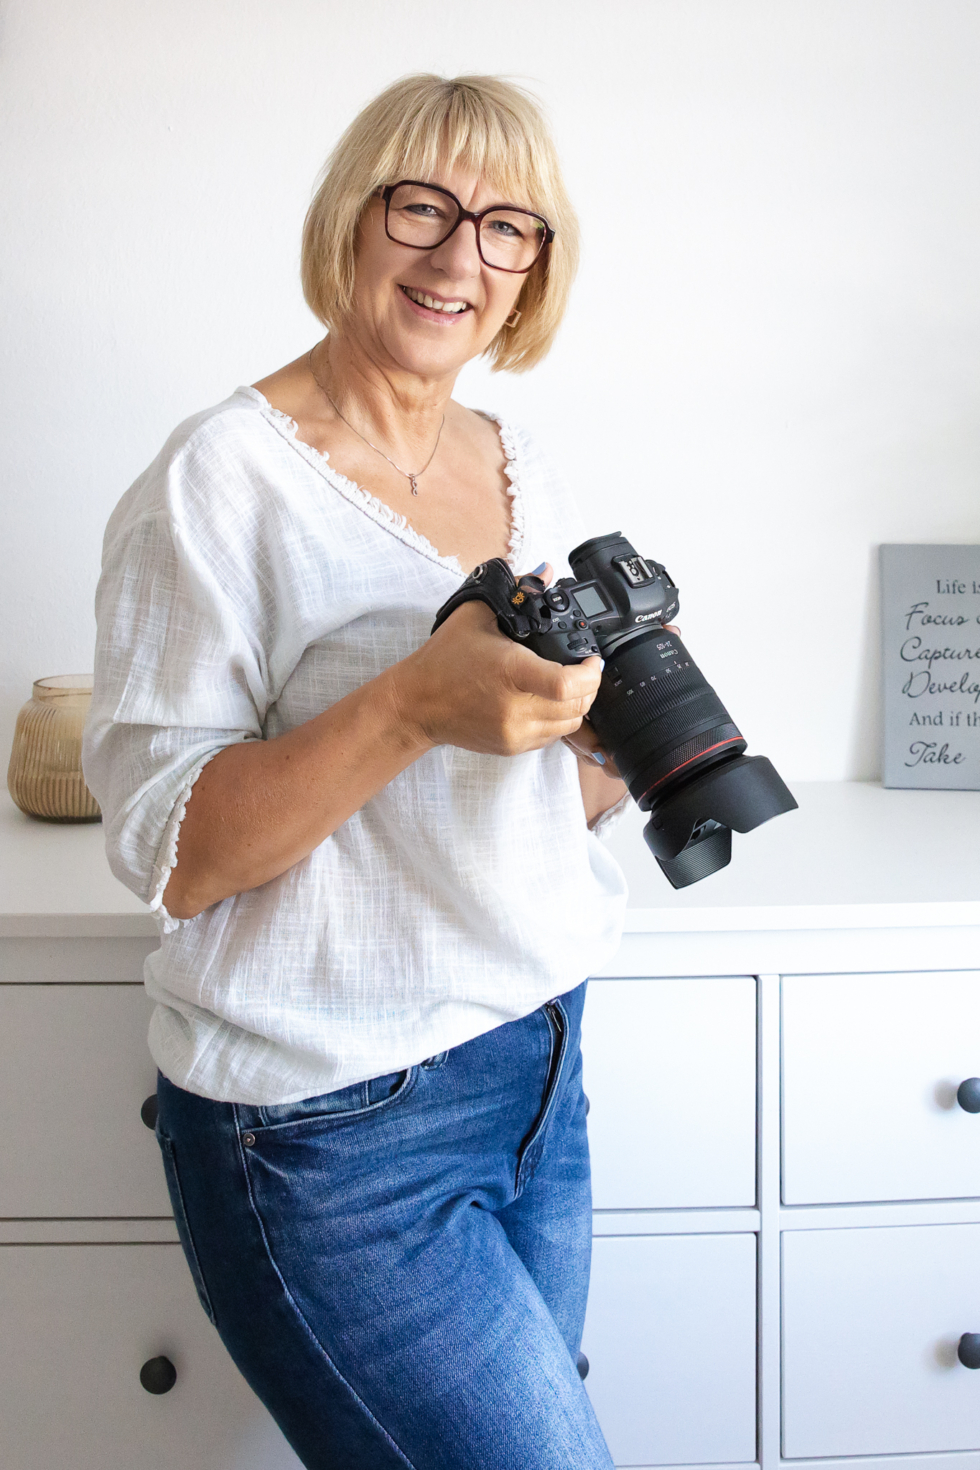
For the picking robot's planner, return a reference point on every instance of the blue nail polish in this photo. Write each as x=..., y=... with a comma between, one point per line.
x=538, y=570
x=598, y=755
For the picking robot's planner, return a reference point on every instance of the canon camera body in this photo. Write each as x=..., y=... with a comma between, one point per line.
x=675, y=744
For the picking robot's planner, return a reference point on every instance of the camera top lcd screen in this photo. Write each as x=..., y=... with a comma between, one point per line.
x=590, y=602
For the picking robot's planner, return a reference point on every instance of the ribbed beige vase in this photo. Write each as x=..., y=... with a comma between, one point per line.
x=45, y=772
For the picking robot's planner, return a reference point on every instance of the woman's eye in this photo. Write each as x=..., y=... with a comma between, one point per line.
x=505, y=228
x=423, y=211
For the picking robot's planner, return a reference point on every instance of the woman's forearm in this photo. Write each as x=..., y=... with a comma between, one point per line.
x=260, y=807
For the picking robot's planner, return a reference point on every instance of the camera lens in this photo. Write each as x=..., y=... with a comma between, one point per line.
x=659, y=716
x=679, y=751
x=677, y=747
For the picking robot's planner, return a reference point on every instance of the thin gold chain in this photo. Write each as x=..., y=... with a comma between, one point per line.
x=408, y=475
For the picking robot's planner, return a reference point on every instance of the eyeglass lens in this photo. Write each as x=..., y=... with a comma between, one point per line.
x=509, y=238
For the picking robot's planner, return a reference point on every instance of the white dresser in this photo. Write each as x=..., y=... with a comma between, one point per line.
x=787, y=1189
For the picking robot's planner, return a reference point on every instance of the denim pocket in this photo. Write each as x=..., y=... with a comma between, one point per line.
x=556, y=1018
x=347, y=1104
x=180, y=1218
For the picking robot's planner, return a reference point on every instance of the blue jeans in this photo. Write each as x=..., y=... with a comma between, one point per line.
x=400, y=1269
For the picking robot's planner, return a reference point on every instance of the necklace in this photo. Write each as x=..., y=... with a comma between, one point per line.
x=412, y=479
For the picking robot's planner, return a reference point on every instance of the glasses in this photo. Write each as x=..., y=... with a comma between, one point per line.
x=424, y=216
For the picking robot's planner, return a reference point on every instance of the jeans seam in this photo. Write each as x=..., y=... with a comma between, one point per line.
x=301, y=1316
x=183, y=1223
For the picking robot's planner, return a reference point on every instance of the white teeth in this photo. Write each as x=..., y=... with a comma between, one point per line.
x=452, y=307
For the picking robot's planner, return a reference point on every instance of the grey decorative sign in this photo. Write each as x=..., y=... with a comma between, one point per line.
x=930, y=631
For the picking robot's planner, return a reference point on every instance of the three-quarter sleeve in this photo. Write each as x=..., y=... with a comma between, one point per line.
x=181, y=666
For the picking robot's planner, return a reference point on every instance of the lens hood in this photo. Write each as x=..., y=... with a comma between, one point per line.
x=739, y=794
x=710, y=850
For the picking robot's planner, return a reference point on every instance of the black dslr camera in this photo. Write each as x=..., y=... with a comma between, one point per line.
x=655, y=713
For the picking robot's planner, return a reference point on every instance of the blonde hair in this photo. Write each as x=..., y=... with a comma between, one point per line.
x=486, y=125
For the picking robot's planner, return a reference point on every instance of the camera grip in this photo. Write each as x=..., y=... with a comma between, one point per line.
x=522, y=612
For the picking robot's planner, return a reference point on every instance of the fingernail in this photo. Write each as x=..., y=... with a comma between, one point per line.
x=602, y=663
x=597, y=755
x=537, y=570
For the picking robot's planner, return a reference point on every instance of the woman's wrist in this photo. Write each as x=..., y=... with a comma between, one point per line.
x=403, y=721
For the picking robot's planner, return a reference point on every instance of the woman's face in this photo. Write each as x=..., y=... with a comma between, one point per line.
x=389, y=278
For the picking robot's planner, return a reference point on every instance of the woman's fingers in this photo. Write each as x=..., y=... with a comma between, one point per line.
x=584, y=743
x=572, y=686
x=543, y=573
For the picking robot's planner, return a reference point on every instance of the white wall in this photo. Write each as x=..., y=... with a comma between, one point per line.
x=771, y=361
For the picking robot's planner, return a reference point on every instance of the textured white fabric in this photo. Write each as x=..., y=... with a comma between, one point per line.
x=247, y=586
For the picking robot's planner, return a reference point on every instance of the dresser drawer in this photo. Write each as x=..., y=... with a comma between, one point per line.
x=871, y=1323
x=74, y=1072
x=670, y=1338
x=871, y=1066
x=81, y=1322
x=671, y=1077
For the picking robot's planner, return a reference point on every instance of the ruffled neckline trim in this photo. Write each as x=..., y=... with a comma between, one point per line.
x=379, y=511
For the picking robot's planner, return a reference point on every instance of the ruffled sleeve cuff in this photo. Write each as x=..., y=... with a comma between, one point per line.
x=166, y=858
x=606, y=820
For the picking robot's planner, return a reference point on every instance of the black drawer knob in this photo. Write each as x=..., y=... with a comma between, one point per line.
x=968, y=1095
x=158, y=1375
x=148, y=1112
x=582, y=1364
x=968, y=1350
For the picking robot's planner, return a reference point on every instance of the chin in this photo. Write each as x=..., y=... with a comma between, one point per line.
x=420, y=358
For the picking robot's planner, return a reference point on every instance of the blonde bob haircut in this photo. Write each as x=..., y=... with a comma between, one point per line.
x=416, y=127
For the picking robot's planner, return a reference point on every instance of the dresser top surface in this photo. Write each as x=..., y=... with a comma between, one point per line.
x=854, y=855
x=54, y=878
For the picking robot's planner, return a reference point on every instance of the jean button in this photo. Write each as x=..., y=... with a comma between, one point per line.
x=248, y=1139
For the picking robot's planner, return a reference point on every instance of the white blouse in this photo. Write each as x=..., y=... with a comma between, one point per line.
x=246, y=586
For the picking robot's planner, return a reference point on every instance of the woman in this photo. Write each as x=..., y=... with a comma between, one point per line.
x=368, y=848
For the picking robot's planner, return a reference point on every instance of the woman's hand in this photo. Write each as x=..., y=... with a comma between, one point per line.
x=585, y=744
x=470, y=686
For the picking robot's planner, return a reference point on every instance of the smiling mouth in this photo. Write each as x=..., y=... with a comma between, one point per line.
x=433, y=303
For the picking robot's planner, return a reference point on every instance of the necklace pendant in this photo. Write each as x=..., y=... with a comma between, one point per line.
x=415, y=488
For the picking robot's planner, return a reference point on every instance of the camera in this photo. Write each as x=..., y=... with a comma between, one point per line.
x=675, y=744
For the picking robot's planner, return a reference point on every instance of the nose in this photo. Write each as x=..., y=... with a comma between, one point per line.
x=458, y=257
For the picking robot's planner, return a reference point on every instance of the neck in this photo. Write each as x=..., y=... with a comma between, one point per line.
x=401, y=410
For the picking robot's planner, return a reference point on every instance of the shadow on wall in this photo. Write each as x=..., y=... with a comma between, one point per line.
x=864, y=742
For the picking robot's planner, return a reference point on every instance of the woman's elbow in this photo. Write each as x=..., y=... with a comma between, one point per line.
x=179, y=899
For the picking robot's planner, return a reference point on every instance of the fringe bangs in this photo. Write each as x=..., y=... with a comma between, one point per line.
x=418, y=126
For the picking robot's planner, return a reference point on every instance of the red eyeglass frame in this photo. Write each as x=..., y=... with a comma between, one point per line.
x=464, y=214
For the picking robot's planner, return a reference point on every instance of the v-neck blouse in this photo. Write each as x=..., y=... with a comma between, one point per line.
x=247, y=586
